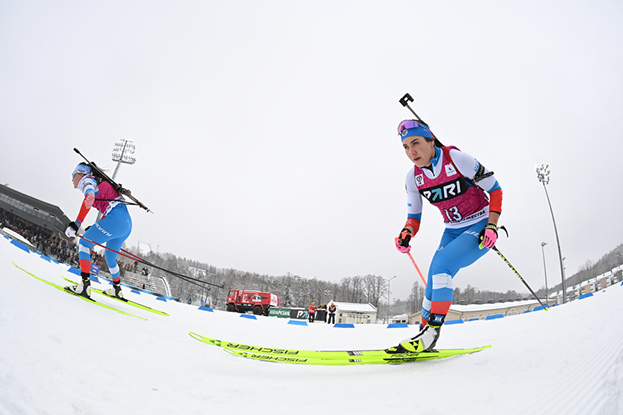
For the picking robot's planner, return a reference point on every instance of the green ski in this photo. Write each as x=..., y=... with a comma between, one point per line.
x=329, y=357
x=387, y=359
x=60, y=287
x=123, y=300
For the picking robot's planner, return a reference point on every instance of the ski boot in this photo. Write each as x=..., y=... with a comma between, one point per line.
x=84, y=288
x=424, y=341
x=115, y=291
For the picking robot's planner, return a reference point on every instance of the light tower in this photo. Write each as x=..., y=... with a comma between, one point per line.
x=123, y=152
x=545, y=272
x=542, y=173
x=389, y=295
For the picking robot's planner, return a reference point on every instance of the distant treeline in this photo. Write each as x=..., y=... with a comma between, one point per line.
x=295, y=291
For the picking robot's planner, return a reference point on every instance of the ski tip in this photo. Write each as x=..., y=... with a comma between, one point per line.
x=477, y=349
x=203, y=338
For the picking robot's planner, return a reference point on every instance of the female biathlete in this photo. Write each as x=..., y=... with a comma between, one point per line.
x=454, y=182
x=111, y=230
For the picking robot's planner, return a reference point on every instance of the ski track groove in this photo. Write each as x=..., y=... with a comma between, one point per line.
x=598, y=374
x=593, y=379
x=571, y=371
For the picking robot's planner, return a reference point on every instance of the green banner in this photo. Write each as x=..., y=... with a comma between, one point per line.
x=279, y=312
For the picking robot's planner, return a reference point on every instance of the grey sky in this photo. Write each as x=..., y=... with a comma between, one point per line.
x=266, y=131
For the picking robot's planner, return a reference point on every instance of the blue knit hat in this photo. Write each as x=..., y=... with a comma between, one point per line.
x=411, y=128
x=82, y=169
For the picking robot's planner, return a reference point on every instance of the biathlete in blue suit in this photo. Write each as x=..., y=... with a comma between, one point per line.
x=470, y=201
x=111, y=230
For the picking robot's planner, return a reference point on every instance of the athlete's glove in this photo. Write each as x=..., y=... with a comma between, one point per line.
x=488, y=236
x=402, y=240
x=72, y=228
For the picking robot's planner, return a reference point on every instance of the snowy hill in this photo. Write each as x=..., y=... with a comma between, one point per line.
x=62, y=355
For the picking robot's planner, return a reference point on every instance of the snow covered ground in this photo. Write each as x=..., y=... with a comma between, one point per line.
x=62, y=355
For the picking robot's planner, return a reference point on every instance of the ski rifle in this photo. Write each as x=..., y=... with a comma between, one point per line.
x=404, y=101
x=119, y=188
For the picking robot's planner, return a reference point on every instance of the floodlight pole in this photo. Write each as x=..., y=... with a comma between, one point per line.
x=122, y=152
x=542, y=173
x=545, y=272
x=389, y=295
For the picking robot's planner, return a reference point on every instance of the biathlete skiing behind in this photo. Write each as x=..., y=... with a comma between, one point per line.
x=457, y=184
x=112, y=229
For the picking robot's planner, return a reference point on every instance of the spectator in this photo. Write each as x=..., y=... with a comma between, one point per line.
x=323, y=307
x=312, y=311
x=332, y=309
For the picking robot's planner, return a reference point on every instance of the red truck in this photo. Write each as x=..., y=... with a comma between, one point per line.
x=256, y=301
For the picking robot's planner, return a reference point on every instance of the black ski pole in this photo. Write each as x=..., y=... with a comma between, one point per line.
x=134, y=257
x=118, y=187
x=520, y=277
x=177, y=274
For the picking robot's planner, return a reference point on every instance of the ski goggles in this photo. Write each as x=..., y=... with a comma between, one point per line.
x=410, y=128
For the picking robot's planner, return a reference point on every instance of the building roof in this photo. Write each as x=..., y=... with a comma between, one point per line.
x=33, y=210
x=354, y=307
x=14, y=235
x=495, y=306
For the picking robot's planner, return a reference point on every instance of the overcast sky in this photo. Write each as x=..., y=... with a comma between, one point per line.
x=265, y=131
